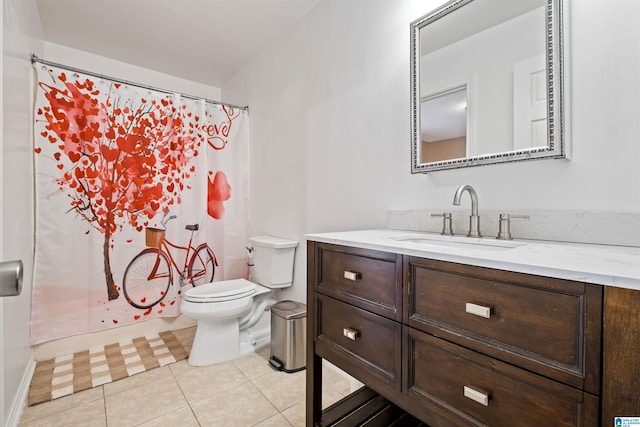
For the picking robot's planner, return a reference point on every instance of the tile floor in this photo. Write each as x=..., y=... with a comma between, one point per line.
x=243, y=392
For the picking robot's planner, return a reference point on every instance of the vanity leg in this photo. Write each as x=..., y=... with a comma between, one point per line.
x=314, y=391
x=314, y=363
x=620, y=361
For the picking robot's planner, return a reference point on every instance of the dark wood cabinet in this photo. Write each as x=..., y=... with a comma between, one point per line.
x=479, y=390
x=548, y=326
x=367, y=279
x=359, y=341
x=450, y=344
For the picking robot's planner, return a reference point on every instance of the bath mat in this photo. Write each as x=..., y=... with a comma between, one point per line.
x=69, y=374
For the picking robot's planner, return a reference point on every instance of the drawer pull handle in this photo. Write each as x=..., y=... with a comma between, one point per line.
x=478, y=310
x=476, y=395
x=352, y=275
x=352, y=334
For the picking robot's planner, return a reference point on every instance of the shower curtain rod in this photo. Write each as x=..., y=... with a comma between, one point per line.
x=35, y=59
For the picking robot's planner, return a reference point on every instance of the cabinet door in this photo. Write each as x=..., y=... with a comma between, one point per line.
x=479, y=390
x=546, y=325
x=363, y=344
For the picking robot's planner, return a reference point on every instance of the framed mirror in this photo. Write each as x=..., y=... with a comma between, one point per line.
x=487, y=84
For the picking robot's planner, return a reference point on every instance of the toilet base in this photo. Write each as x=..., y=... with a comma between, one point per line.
x=254, y=339
x=225, y=342
x=215, y=342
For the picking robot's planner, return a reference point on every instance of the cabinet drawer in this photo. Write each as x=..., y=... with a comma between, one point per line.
x=365, y=345
x=479, y=390
x=368, y=279
x=546, y=325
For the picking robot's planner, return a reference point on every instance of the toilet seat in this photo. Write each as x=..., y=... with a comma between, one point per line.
x=225, y=290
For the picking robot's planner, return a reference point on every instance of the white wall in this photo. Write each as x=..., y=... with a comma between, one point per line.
x=329, y=108
x=21, y=36
x=120, y=70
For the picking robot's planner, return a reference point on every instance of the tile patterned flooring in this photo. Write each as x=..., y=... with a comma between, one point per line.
x=243, y=392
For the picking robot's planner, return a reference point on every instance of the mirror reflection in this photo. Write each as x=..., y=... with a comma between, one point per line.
x=443, y=125
x=481, y=73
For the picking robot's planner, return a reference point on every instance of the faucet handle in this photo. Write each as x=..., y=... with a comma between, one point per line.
x=504, y=231
x=447, y=228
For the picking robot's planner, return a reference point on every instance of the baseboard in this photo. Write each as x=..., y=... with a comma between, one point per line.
x=21, y=397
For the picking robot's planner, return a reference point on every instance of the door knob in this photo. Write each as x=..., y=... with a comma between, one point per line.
x=10, y=278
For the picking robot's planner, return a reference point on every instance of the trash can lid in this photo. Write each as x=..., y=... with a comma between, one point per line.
x=289, y=309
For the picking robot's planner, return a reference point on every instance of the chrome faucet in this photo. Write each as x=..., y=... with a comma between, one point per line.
x=474, y=219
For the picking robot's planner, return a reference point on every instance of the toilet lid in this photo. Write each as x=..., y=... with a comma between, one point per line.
x=221, y=291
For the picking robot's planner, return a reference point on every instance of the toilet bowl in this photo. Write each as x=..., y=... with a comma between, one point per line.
x=233, y=315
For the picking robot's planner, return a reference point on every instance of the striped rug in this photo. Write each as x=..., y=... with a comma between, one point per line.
x=68, y=374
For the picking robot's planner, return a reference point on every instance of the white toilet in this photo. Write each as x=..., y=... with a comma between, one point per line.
x=233, y=315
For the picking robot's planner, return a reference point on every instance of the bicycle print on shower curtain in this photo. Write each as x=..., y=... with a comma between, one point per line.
x=116, y=165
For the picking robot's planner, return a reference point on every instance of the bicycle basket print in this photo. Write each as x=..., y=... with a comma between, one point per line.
x=136, y=192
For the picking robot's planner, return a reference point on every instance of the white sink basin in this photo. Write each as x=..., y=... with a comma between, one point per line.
x=460, y=242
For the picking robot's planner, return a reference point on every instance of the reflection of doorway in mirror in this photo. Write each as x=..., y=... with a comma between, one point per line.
x=443, y=125
x=448, y=149
x=530, y=103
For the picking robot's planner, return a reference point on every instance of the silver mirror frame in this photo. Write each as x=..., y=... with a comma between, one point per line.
x=556, y=28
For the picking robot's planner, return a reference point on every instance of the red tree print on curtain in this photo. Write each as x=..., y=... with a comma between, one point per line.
x=122, y=159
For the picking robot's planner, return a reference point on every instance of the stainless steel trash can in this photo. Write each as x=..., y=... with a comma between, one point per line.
x=288, y=336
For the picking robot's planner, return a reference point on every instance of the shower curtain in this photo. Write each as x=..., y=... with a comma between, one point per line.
x=111, y=161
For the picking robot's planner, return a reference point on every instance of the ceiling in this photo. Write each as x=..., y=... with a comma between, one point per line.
x=205, y=41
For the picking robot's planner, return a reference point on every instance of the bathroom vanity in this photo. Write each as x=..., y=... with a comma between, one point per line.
x=448, y=331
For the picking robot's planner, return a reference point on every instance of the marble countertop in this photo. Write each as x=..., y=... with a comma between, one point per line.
x=600, y=264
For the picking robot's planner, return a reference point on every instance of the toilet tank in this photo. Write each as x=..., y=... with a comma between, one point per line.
x=273, y=261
